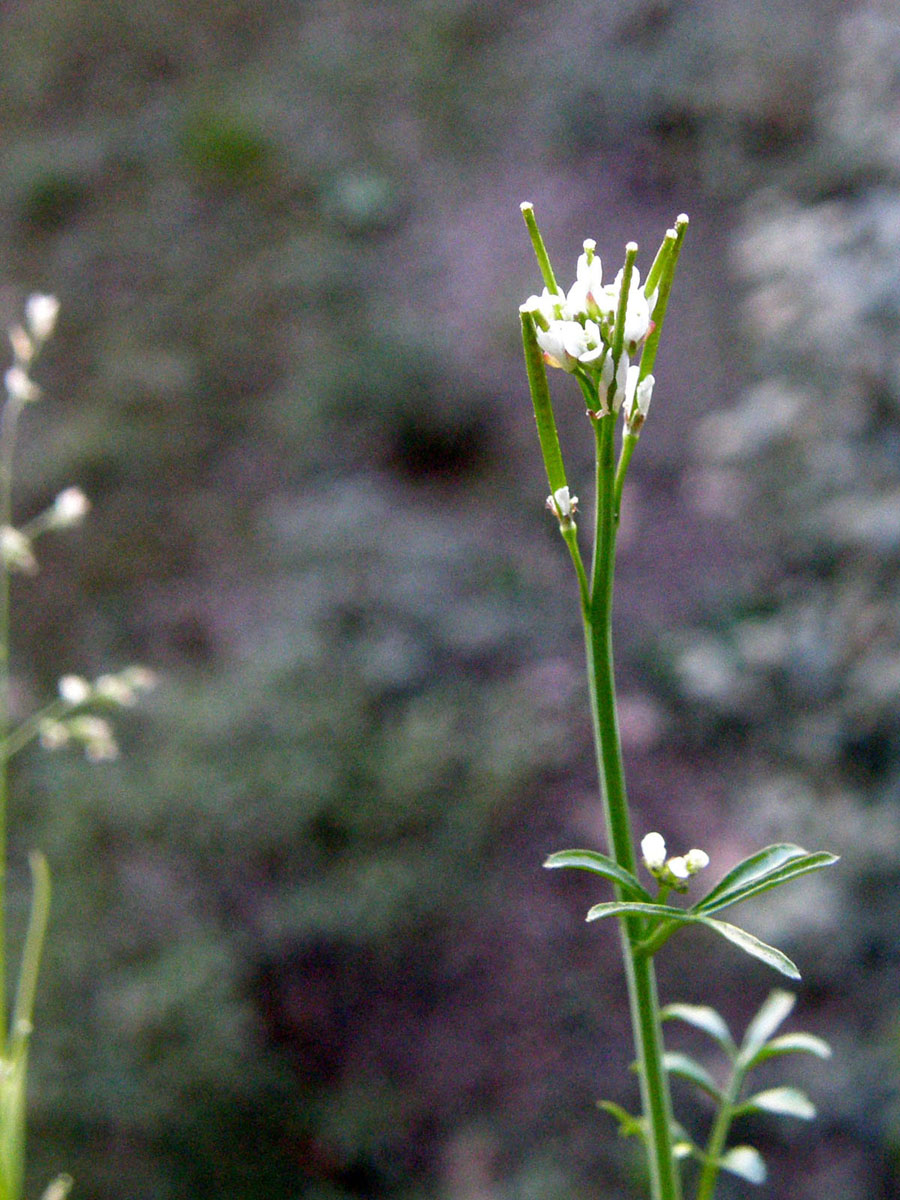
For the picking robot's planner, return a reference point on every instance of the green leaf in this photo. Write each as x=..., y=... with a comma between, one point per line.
x=754, y=947
x=600, y=864
x=775, y=1008
x=786, y=1101
x=701, y=1016
x=792, y=1043
x=739, y=937
x=685, y=1067
x=763, y=870
x=745, y=1162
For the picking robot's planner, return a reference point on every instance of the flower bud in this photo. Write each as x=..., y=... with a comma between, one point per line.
x=653, y=851
x=40, y=315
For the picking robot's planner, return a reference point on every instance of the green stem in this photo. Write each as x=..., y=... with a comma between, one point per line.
x=639, y=970
x=718, y=1136
x=8, y=422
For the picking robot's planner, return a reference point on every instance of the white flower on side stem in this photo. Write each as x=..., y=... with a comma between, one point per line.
x=53, y=734
x=695, y=860
x=581, y=298
x=20, y=386
x=16, y=552
x=637, y=309
x=606, y=378
x=41, y=312
x=565, y=344
x=96, y=735
x=678, y=868
x=74, y=690
x=653, y=851
x=70, y=508
x=562, y=504
x=637, y=399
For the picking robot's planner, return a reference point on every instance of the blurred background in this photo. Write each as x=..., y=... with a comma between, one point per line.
x=302, y=945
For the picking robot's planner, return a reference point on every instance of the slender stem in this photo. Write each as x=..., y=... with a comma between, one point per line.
x=640, y=975
x=8, y=422
x=718, y=1135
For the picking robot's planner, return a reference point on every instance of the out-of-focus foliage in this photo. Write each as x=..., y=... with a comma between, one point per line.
x=301, y=942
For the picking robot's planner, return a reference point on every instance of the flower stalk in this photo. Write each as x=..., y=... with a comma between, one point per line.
x=593, y=332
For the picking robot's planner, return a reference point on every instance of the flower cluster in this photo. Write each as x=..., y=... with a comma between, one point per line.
x=67, y=723
x=576, y=330
x=71, y=505
x=671, y=872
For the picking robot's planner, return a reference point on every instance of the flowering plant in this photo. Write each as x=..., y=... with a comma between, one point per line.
x=606, y=336
x=73, y=717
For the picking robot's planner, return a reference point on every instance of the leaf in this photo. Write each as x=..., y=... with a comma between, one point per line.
x=701, y=1016
x=600, y=864
x=786, y=1101
x=754, y=947
x=763, y=870
x=745, y=1162
x=792, y=1043
x=685, y=1067
x=624, y=908
x=739, y=937
x=775, y=1008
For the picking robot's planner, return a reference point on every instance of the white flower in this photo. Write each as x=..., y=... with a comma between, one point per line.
x=695, y=860
x=606, y=378
x=22, y=345
x=53, y=734
x=96, y=736
x=115, y=689
x=15, y=549
x=73, y=689
x=70, y=507
x=20, y=386
x=40, y=315
x=639, y=393
x=582, y=295
x=562, y=504
x=565, y=344
x=545, y=308
x=678, y=867
x=653, y=851
x=637, y=309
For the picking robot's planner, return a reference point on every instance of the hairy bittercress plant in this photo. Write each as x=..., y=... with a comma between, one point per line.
x=72, y=718
x=605, y=335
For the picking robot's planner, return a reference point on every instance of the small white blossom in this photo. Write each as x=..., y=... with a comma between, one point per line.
x=22, y=345
x=53, y=734
x=606, y=378
x=695, y=860
x=115, y=689
x=565, y=344
x=653, y=851
x=678, y=867
x=74, y=690
x=546, y=308
x=19, y=386
x=562, y=504
x=70, y=508
x=142, y=679
x=40, y=315
x=96, y=736
x=637, y=398
x=637, y=309
x=15, y=549
x=582, y=295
